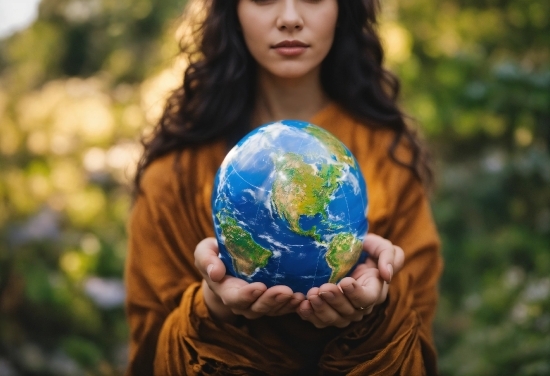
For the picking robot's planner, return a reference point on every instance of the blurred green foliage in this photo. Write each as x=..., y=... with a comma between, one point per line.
x=79, y=86
x=71, y=112
x=478, y=82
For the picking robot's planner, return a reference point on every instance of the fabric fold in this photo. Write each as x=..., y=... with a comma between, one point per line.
x=224, y=348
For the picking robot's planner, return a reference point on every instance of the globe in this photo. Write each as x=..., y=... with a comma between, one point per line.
x=290, y=207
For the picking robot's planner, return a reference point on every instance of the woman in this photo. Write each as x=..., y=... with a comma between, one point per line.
x=260, y=61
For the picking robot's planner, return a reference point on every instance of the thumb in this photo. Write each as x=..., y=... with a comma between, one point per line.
x=207, y=261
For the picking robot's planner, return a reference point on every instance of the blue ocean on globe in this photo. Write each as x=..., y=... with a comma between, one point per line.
x=290, y=207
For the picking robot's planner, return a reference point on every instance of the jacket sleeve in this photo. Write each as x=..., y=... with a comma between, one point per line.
x=415, y=231
x=159, y=266
x=171, y=331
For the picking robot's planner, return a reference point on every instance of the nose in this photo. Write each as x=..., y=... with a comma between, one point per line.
x=290, y=17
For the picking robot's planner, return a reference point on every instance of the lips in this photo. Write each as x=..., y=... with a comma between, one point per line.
x=290, y=47
x=290, y=44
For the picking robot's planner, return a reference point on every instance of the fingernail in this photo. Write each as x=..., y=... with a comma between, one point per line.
x=326, y=295
x=390, y=268
x=209, y=270
x=256, y=293
x=348, y=289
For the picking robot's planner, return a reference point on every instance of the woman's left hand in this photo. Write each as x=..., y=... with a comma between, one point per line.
x=355, y=296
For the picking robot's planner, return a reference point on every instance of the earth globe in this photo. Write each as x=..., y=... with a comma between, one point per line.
x=290, y=207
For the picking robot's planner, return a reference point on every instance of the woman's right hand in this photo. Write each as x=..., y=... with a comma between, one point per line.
x=227, y=296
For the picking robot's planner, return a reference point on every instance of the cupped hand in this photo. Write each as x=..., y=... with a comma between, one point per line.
x=227, y=296
x=387, y=257
x=355, y=296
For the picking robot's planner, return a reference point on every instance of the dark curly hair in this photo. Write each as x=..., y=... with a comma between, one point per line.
x=221, y=75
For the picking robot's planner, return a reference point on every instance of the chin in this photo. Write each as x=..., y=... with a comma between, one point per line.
x=292, y=75
x=291, y=72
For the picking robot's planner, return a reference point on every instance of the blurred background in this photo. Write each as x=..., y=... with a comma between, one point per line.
x=81, y=80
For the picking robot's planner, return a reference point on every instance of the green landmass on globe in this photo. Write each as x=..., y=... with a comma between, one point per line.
x=343, y=252
x=247, y=254
x=299, y=190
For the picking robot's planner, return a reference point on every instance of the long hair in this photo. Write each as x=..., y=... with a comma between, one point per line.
x=222, y=75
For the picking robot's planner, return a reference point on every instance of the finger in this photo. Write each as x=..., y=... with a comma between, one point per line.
x=271, y=309
x=335, y=298
x=323, y=312
x=291, y=305
x=238, y=294
x=385, y=252
x=390, y=262
x=207, y=261
x=304, y=309
x=320, y=321
x=306, y=313
x=384, y=294
x=399, y=259
x=364, y=292
x=271, y=300
x=362, y=269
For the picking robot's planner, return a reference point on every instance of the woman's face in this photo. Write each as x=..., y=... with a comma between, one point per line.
x=288, y=38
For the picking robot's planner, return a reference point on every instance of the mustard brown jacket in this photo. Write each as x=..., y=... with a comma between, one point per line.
x=171, y=330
